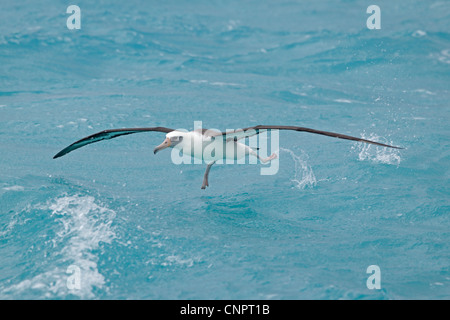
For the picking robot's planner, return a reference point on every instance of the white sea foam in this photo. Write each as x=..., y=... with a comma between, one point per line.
x=425, y=91
x=84, y=225
x=177, y=260
x=304, y=175
x=378, y=154
x=444, y=56
x=343, y=100
x=14, y=188
x=419, y=33
x=216, y=83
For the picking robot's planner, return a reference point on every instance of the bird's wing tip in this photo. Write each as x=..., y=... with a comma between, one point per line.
x=398, y=148
x=59, y=154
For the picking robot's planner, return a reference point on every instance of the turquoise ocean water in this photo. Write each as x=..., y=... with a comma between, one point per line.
x=137, y=226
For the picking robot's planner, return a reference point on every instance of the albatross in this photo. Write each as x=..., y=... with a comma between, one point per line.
x=195, y=142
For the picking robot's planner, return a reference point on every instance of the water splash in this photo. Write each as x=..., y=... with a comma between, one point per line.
x=376, y=153
x=83, y=226
x=304, y=176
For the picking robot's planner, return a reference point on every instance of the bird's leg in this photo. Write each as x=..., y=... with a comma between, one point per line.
x=205, y=177
x=263, y=160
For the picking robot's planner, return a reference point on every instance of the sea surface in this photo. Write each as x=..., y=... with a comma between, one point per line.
x=114, y=221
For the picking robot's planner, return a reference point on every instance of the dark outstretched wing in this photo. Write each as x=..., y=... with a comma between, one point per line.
x=106, y=135
x=251, y=131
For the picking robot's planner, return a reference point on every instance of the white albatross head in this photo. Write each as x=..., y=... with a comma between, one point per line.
x=172, y=139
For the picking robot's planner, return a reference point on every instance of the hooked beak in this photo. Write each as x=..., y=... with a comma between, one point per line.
x=163, y=145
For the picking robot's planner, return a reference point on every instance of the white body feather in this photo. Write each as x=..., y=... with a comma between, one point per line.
x=208, y=148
